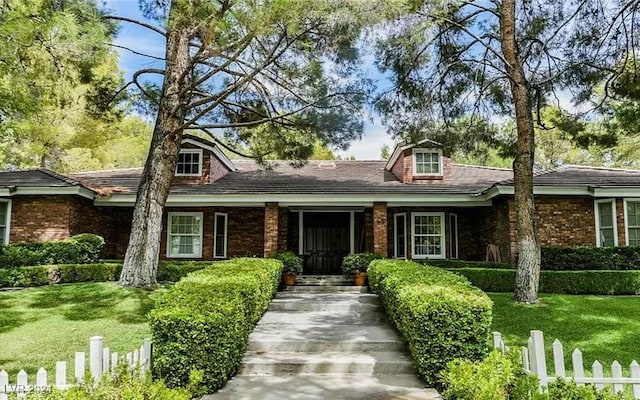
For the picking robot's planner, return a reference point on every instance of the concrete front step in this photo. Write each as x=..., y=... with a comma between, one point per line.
x=325, y=297
x=327, y=332
x=326, y=289
x=323, y=317
x=322, y=387
x=292, y=362
x=322, y=280
x=320, y=346
x=344, y=306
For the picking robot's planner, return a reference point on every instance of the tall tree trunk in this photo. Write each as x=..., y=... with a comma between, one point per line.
x=528, y=269
x=141, y=258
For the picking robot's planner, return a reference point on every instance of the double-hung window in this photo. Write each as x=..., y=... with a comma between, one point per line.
x=189, y=162
x=184, y=235
x=606, y=230
x=427, y=235
x=220, y=236
x=632, y=216
x=5, y=217
x=427, y=162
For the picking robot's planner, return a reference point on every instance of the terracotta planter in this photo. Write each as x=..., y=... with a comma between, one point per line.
x=360, y=279
x=289, y=279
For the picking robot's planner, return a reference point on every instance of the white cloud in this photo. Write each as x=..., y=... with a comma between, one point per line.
x=368, y=148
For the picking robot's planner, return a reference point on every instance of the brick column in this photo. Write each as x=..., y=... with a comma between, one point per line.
x=380, y=229
x=270, y=229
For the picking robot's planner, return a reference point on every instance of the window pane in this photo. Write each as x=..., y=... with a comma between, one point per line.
x=633, y=213
x=606, y=214
x=401, y=251
x=220, y=238
x=606, y=237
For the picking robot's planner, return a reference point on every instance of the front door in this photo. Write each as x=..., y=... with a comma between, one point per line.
x=326, y=241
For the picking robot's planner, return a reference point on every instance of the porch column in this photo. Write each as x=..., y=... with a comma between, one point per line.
x=380, y=229
x=270, y=229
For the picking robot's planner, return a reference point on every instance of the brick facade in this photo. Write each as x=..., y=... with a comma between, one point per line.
x=212, y=168
x=271, y=235
x=380, y=245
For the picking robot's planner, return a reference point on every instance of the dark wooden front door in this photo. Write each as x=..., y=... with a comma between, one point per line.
x=326, y=241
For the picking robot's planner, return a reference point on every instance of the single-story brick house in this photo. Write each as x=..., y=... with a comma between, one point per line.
x=418, y=204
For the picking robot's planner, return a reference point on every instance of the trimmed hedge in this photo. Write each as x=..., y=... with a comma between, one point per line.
x=558, y=282
x=203, y=323
x=79, y=249
x=450, y=264
x=41, y=275
x=590, y=258
x=438, y=313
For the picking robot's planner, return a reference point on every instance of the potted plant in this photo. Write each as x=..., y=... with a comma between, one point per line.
x=354, y=266
x=291, y=266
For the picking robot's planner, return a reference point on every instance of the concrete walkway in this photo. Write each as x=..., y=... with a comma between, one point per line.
x=324, y=339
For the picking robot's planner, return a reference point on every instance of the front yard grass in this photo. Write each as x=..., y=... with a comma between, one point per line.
x=39, y=326
x=604, y=328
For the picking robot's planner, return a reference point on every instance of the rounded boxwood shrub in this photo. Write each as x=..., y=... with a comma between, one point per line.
x=202, y=324
x=438, y=313
x=291, y=263
x=80, y=249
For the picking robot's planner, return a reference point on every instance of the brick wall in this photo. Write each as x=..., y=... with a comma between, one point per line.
x=380, y=242
x=35, y=218
x=271, y=234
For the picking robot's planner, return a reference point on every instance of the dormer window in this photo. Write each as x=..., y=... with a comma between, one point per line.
x=189, y=162
x=427, y=162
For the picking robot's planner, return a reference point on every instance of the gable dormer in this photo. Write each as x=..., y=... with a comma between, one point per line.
x=422, y=162
x=201, y=161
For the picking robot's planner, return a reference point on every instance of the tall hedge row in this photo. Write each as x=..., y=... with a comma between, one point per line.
x=590, y=258
x=568, y=282
x=438, y=313
x=84, y=248
x=203, y=323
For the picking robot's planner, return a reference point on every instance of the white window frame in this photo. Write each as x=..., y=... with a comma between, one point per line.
x=626, y=218
x=442, y=255
x=215, y=234
x=429, y=151
x=7, y=221
x=395, y=234
x=596, y=203
x=191, y=151
x=453, y=218
x=192, y=214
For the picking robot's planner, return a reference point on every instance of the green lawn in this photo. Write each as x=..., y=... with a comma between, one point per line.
x=604, y=328
x=39, y=326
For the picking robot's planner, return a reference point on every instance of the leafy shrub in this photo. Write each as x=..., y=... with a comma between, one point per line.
x=569, y=282
x=359, y=262
x=450, y=264
x=123, y=385
x=52, y=274
x=173, y=271
x=590, y=258
x=80, y=249
x=439, y=314
x=291, y=263
x=500, y=377
x=203, y=323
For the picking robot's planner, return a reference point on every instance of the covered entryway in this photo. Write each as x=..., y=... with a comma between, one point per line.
x=326, y=239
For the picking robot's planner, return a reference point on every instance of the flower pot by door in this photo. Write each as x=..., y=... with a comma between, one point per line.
x=360, y=279
x=289, y=279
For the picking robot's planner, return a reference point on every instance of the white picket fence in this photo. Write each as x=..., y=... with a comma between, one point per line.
x=101, y=361
x=534, y=361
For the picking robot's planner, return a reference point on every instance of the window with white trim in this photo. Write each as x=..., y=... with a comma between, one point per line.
x=427, y=162
x=184, y=235
x=632, y=222
x=5, y=216
x=606, y=230
x=427, y=235
x=220, y=235
x=453, y=233
x=189, y=162
x=400, y=235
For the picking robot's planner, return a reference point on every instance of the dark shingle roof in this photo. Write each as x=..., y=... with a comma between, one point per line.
x=315, y=177
x=39, y=177
x=576, y=175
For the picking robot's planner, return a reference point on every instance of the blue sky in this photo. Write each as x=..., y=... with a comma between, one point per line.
x=145, y=41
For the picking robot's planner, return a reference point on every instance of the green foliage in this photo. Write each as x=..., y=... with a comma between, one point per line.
x=496, y=377
x=500, y=377
x=61, y=273
x=123, y=385
x=358, y=262
x=468, y=264
x=202, y=324
x=80, y=249
x=439, y=314
x=590, y=258
x=291, y=263
x=570, y=282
